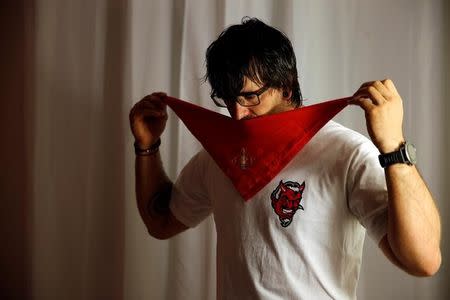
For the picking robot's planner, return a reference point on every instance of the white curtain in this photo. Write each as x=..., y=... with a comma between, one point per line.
x=92, y=60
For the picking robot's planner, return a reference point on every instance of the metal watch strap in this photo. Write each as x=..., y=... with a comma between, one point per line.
x=150, y=151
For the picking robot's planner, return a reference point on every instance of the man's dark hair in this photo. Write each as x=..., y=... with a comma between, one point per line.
x=254, y=50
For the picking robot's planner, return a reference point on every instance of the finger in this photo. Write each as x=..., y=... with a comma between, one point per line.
x=156, y=100
x=363, y=88
x=382, y=89
x=147, y=116
x=151, y=103
x=377, y=83
x=376, y=96
x=154, y=113
x=390, y=85
x=158, y=96
x=145, y=105
x=154, y=97
x=149, y=113
x=365, y=84
x=365, y=103
x=372, y=93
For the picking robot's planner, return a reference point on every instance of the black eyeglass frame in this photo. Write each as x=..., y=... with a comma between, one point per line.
x=224, y=103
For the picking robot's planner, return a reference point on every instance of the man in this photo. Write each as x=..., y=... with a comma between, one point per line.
x=300, y=237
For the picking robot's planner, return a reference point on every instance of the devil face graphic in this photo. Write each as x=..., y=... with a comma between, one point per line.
x=286, y=200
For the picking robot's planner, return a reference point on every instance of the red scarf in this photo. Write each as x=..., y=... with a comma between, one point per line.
x=251, y=152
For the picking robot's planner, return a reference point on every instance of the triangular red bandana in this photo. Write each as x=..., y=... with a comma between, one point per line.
x=252, y=152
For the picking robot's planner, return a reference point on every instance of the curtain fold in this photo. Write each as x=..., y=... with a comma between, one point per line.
x=92, y=60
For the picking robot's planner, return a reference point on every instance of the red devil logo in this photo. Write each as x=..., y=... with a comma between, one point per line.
x=286, y=200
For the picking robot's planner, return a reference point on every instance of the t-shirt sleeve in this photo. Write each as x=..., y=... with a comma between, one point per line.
x=367, y=192
x=190, y=203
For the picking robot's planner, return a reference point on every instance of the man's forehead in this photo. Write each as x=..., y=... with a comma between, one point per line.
x=250, y=86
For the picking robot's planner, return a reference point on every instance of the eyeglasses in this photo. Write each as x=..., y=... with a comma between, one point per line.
x=246, y=99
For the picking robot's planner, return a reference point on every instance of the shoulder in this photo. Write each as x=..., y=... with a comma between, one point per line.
x=197, y=167
x=201, y=158
x=339, y=133
x=342, y=138
x=340, y=147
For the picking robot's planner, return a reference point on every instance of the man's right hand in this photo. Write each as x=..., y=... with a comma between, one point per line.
x=148, y=119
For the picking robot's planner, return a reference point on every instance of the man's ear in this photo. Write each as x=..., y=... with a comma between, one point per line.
x=287, y=95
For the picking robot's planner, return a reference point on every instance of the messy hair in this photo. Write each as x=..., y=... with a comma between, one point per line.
x=254, y=50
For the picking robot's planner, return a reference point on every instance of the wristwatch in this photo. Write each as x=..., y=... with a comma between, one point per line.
x=405, y=155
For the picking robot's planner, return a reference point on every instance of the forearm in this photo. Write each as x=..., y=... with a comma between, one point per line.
x=152, y=192
x=414, y=228
x=153, y=188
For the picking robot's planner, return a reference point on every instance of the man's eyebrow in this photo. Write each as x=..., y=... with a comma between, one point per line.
x=249, y=92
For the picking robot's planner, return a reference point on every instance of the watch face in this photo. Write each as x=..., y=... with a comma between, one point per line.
x=411, y=153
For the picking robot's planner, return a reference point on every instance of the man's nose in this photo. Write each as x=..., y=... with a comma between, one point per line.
x=240, y=112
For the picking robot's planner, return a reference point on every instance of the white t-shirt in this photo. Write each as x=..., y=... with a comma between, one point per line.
x=314, y=250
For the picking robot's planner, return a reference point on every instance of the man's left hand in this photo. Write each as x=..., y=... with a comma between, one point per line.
x=384, y=113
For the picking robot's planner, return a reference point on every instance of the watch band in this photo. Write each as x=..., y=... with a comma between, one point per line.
x=405, y=155
x=391, y=158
